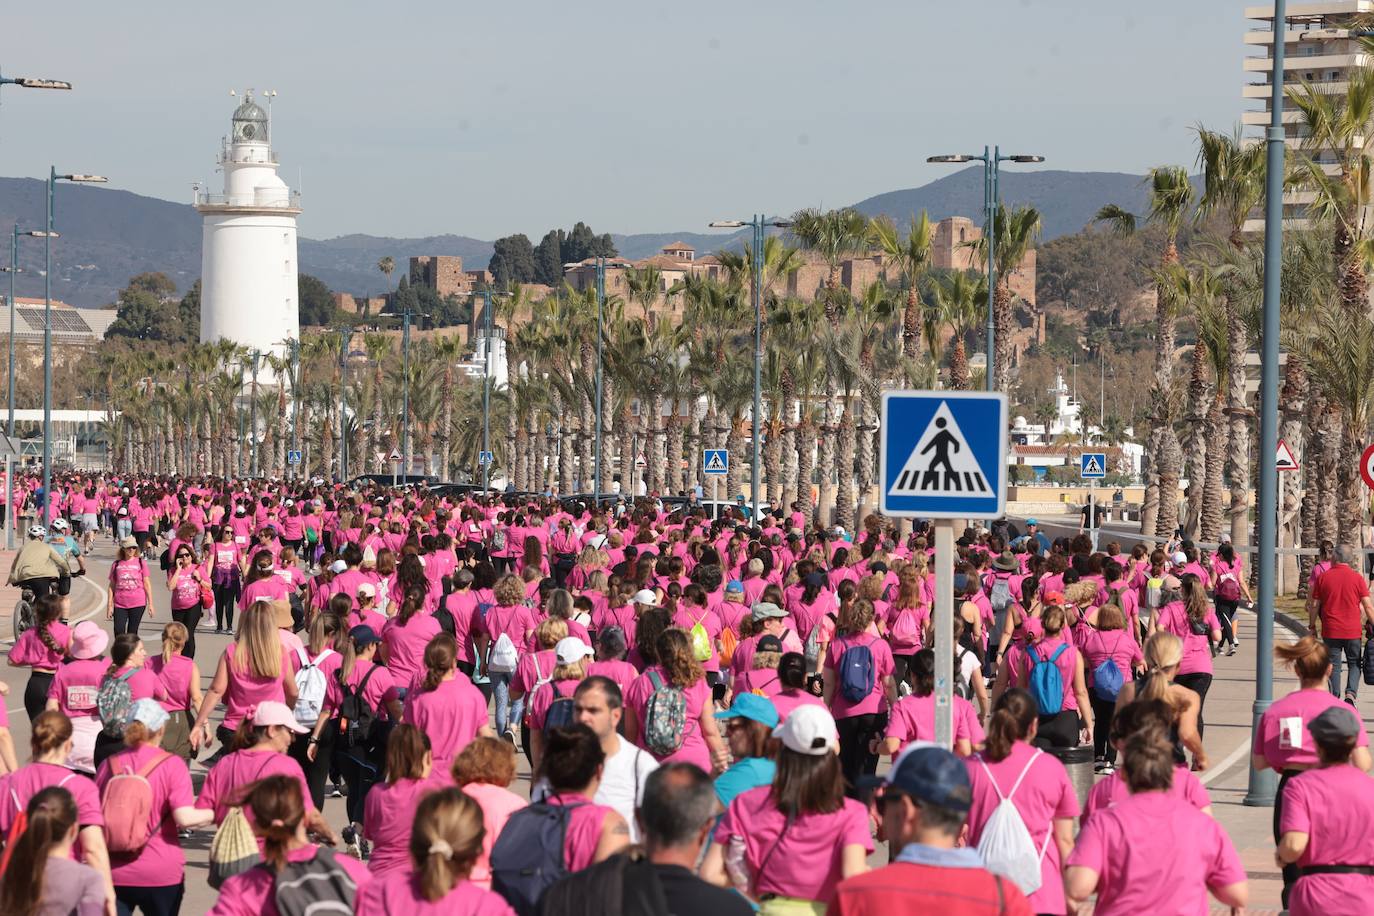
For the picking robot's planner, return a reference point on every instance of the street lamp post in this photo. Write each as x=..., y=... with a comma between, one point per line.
x=600, y=308
x=759, y=223
x=405, y=391
x=53, y=179
x=13, y=269
x=295, y=345
x=346, y=336
x=992, y=160
x=1262, y=784
x=253, y=421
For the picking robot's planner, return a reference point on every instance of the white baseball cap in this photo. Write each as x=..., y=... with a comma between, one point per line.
x=571, y=649
x=338, y=566
x=645, y=597
x=809, y=730
x=1179, y=558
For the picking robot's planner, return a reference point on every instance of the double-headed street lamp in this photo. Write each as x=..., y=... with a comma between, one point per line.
x=29, y=82
x=759, y=223
x=600, y=309
x=486, y=296
x=991, y=160
x=12, y=270
x=53, y=179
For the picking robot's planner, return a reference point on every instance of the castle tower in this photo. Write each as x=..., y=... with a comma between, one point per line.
x=248, y=244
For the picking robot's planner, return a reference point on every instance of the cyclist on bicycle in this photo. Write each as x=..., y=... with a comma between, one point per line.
x=37, y=566
x=60, y=539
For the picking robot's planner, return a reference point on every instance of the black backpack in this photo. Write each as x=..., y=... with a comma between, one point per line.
x=363, y=729
x=314, y=887
x=561, y=711
x=444, y=617
x=528, y=856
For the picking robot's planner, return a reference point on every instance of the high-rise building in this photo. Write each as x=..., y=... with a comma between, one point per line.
x=248, y=257
x=1318, y=52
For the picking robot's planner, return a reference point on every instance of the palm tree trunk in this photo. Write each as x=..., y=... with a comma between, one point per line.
x=1213, y=487
x=653, y=462
x=734, y=443
x=867, y=453
x=826, y=460
x=628, y=472
x=772, y=459
x=521, y=456
x=676, y=477
x=959, y=377
x=911, y=323
x=1329, y=461
x=844, y=482
x=1201, y=459
x=806, y=451
x=607, y=432
x=1238, y=415
x=1352, y=490
x=1001, y=318
x=1293, y=514
x=446, y=429
x=513, y=456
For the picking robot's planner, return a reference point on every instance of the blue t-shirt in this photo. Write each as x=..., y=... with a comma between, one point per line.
x=749, y=773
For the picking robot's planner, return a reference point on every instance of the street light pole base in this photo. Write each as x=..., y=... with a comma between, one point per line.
x=1264, y=784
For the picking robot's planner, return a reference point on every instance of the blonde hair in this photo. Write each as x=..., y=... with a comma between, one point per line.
x=174, y=636
x=445, y=841
x=574, y=671
x=508, y=591
x=550, y=631
x=1081, y=593
x=1163, y=650
x=257, y=650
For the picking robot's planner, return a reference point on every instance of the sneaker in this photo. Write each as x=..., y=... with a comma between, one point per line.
x=185, y=834
x=1231, y=650
x=1099, y=765
x=350, y=841
x=334, y=791
x=509, y=735
x=1107, y=769
x=1349, y=698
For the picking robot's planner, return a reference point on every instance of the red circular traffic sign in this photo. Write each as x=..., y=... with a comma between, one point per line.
x=1367, y=467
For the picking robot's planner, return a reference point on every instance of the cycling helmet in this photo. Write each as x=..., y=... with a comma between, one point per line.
x=60, y=524
x=38, y=531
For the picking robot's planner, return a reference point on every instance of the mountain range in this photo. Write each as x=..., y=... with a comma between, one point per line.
x=107, y=236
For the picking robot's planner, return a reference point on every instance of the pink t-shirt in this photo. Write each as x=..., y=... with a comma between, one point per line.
x=913, y=719
x=1154, y=854
x=787, y=700
x=1333, y=806
x=497, y=804
x=451, y=715
x=1044, y=794
x=32, y=778
x=30, y=651
x=1283, y=737
x=906, y=628
x=252, y=893
x=693, y=749
x=764, y=681
x=623, y=617
x=584, y=828
x=381, y=685
x=1020, y=665
x=516, y=621
x=1112, y=790
x=542, y=698
x=622, y=672
x=239, y=769
x=126, y=581
x=1197, y=651
x=389, y=812
x=175, y=678
x=405, y=644
x=271, y=588
x=805, y=862
x=398, y=895
x=883, y=666
x=160, y=862
x=246, y=690
x=185, y=589
x=76, y=684
x=533, y=668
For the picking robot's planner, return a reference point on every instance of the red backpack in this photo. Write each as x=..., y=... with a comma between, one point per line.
x=127, y=804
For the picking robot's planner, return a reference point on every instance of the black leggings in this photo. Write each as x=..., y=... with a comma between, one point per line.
x=856, y=760
x=360, y=777
x=1290, y=872
x=1226, y=611
x=315, y=770
x=36, y=693
x=127, y=619
x=1103, y=710
x=1058, y=730
x=190, y=618
x=225, y=596
x=1198, y=683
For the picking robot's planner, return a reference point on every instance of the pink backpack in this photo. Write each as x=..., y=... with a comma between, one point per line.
x=127, y=805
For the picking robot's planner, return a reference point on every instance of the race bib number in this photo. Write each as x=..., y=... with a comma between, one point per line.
x=81, y=697
x=1290, y=733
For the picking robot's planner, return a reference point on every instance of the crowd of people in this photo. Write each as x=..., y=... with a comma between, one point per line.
x=702, y=705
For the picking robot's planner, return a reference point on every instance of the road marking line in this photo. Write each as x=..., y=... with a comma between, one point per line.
x=100, y=606
x=1230, y=759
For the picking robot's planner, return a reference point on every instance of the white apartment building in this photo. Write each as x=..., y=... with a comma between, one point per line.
x=1318, y=52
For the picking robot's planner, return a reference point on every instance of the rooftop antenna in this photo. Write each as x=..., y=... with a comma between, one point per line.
x=270, y=94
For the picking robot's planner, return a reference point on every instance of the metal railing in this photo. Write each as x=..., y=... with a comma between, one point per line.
x=204, y=198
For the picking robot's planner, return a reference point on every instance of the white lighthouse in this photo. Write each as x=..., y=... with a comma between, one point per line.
x=248, y=254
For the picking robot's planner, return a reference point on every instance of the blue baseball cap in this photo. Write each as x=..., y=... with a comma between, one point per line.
x=734, y=585
x=754, y=707
x=1031, y=521
x=364, y=635
x=930, y=773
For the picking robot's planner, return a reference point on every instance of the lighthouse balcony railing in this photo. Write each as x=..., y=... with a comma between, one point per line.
x=204, y=199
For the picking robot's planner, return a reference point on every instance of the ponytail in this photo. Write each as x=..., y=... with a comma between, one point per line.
x=1163, y=651
x=441, y=656
x=51, y=815
x=278, y=810
x=1308, y=657
x=445, y=841
x=1010, y=722
x=49, y=611
x=1196, y=597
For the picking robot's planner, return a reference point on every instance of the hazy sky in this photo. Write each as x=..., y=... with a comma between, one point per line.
x=484, y=119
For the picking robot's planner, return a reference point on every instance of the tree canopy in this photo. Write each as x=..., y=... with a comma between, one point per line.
x=512, y=261
x=148, y=310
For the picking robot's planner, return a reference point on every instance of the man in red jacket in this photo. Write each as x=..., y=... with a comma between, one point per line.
x=923, y=804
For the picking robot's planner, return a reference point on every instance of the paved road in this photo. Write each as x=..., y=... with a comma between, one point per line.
x=1228, y=715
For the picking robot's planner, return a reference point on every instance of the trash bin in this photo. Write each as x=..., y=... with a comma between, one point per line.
x=1079, y=762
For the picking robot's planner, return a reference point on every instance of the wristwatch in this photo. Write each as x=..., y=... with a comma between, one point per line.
x=313, y=740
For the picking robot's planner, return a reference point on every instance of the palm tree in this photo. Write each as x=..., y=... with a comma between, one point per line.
x=1045, y=414
x=834, y=235
x=1171, y=200
x=779, y=260
x=958, y=304
x=1017, y=231
x=911, y=256
x=1204, y=298
x=1342, y=364
x=644, y=285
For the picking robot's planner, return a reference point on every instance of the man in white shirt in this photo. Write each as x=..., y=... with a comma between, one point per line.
x=598, y=705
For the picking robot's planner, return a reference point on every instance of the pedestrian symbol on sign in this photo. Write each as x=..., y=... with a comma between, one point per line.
x=1092, y=466
x=941, y=464
x=716, y=461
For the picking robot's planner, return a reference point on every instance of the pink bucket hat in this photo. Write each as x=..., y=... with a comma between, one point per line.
x=89, y=640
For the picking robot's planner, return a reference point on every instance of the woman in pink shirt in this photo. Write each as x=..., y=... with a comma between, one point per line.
x=571, y=667
x=280, y=819
x=1151, y=852
x=251, y=670
x=225, y=559
x=908, y=623
x=1325, y=821
x=484, y=771
x=405, y=636
x=856, y=711
x=180, y=680
x=674, y=666
x=509, y=617
x=186, y=581
x=1035, y=782
x=151, y=877
x=1047, y=643
x=42, y=647
x=762, y=678
x=445, y=705
x=130, y=592
x=74, y=689
x=610, y=659
x=1191, y=617
x=1109, y=638
x=573, y=761
x=127, y=663
x=446, y=840
x=794, y=691
x=390, y=805
x=1229, y=588
x=1133, y=719
x=799, y=837
x=913, y=717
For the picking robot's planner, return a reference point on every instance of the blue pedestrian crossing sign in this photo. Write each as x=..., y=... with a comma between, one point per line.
x=715, y=461
x=484, y=457
x=1092, y=465
x=293, y=456
x=943, y=455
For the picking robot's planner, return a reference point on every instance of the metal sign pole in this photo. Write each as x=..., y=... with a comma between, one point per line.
x=11, y=516
x=1092, y=512
x=944, y=633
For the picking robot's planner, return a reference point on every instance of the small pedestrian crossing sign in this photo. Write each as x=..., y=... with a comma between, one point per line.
x=715, y=461
x=293, y=456
x=1092, y=465
x=944, y=454
x=484, y=457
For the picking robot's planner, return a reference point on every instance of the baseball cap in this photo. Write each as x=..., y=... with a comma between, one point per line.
x=814, y=579
x=1334, y=725
x=367, y=589
x=762, y=610
x=1031, y=521
x=571, y=649
x=270, y=712
x=769, y=643
x=1179, y=558
x=753, y=707
x=127, y=542
x=734, y=585
x=645, y=597
x=338, y=566
x=809, y=730
x=149, y=712
x=364, y=635
x=928, y=772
